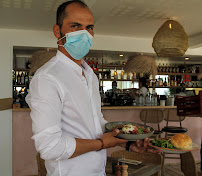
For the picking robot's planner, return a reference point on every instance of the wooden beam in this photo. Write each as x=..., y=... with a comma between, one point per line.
x=6, y=103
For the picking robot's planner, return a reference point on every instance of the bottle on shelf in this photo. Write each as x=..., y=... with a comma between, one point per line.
x=175, y=82
x=177, y=69
x=26, y=78
x=88, y=61
x=115, y=74
x=168, y=81
x=141, y=99
x=134, y=75
x=167, y=68
x=122, y=74
x=96, y=64
x=160, y=81
x=163, y=68
x=157, y=83
x=148, y=99
x=165, y=83
x=128, y=75
x=174, y=70
x=92, y=64
x=159, y=68
x=22, y=80
x=18, y=79
x=178, y=82
x=28, y=65
x=171, y=82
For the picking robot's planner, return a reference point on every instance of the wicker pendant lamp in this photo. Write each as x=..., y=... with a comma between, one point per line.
x=141, y=64
x=39, y=58
x=170, y=40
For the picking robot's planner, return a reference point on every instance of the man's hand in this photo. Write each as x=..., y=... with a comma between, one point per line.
x=141, y=146
x=110, y=141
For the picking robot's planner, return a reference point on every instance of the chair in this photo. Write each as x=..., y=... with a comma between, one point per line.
x=153, y=116
x=152, y=158
x=171, y=116
x=41, y=166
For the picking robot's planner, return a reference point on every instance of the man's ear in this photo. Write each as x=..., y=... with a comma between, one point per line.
x=56, y=31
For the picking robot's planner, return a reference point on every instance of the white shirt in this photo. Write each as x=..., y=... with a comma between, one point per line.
x=144, y=91
x=65, y=105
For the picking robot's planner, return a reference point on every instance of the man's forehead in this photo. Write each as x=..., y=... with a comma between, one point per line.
x=77, y=8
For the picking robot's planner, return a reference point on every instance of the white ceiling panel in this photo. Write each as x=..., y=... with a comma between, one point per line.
x=135, y=18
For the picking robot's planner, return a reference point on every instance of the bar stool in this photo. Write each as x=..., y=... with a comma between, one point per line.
x=153, y=116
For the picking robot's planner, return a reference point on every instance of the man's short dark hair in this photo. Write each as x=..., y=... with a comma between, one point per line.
x=143, y=80
x=61, y=13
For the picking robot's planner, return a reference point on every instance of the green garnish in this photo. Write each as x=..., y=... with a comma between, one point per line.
x=163, y=143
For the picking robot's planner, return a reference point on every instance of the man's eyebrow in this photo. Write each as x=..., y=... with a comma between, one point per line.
x=75, y=23
x=91, y=25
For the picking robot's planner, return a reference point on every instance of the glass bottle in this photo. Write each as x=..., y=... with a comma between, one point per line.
x=175, y=82
x=18, y=79
x=168, y=81
x=22, y=78
x=165, y=83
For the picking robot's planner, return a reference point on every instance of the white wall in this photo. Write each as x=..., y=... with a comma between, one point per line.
x=11, y=37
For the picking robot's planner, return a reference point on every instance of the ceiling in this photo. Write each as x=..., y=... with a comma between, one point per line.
x=131, y=18
x=137, y=18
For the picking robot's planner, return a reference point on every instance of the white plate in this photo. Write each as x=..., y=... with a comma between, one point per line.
x=176, y=151
x=130, y=137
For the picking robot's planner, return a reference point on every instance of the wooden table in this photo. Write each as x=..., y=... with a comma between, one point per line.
x=143, y=169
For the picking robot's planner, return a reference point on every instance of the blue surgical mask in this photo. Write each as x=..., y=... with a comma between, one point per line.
x=78, y=43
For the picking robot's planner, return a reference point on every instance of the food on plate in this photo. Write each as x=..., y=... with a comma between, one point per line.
x=163, y=143
x=178, y=141
x=132, y=129
x=181, y=141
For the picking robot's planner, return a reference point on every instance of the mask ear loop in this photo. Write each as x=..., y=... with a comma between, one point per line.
x=60, y=39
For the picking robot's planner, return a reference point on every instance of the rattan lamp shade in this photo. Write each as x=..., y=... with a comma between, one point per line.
x=141, y=64
x=39, y=58
x=170, y=41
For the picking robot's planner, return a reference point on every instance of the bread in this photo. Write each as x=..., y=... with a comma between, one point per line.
x=181, y=141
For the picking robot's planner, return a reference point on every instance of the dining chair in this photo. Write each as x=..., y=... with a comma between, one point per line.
x=41, y=165
x=153, y=116
x=170, y=117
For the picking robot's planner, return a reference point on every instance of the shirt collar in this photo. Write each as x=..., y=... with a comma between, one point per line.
x=69, y=62
x=73, y=65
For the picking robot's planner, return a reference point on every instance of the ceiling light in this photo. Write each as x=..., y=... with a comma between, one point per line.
x=141, y=64
x=186, y=58
x=121, y=55
x=170, y=40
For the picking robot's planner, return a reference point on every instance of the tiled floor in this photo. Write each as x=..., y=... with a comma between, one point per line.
x=170, y=169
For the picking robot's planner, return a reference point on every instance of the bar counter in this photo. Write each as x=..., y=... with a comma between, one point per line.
x=24, y=153
x=115, y=108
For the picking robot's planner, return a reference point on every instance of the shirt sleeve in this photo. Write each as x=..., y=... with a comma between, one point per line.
x=45, y=102
x=103, y=122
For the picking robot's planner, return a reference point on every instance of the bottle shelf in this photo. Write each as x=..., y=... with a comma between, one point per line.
x=119, y=80
x=21, y=69
x=168, y=73
x=105, y=66
x=19, y=85
x=166, y=87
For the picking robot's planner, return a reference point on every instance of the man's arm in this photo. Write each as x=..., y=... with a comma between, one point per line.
x=87, y=145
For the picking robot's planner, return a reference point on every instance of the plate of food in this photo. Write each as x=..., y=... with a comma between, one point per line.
x=179, y=143
x=130, y=131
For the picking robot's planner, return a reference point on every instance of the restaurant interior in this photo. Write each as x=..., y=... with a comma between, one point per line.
x=132, y=40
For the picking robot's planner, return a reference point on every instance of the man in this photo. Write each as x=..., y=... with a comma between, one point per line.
x=65, y=103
